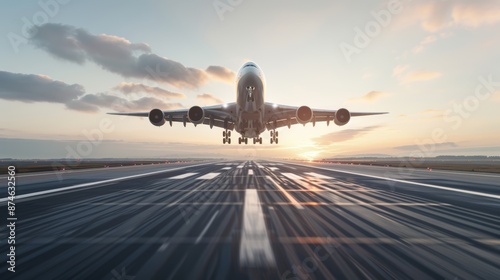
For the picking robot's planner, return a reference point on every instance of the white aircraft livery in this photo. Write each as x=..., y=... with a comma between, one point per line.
x=250, y=115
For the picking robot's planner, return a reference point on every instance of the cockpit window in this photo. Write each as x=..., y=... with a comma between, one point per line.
x=250, y=64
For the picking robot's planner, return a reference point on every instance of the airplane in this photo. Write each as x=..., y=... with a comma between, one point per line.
x=250, y=115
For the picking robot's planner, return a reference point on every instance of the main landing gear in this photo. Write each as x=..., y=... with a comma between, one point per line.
x=274, y=136
x=245, y=140
x=227, y=137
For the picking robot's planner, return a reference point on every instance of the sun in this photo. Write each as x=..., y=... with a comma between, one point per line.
x=310, y=156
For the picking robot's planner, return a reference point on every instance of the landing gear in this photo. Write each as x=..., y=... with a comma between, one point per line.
x=250, y=97
x=257, y=140
x=226, y=137
x=274, y=136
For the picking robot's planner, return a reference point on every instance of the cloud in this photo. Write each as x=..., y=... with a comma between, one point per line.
x=117, y=55
x=343, y=135
x=432, y=113
x=420, y=76
x=426, y=41
x=128, y=88
x=442, y=145
x=434, y=16
x=398, y=70
x=37, y=88
x=221, y=73
x=94, y=102
x=371, y=96
x=209, y=98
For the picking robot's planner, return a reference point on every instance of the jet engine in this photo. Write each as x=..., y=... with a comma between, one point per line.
x=156, y=117
x=196, y=114
x=304, y=114
x=342, y=116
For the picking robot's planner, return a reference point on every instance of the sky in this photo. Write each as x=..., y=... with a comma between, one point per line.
x=433, y=65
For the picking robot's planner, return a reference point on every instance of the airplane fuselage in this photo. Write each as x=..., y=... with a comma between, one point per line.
x=250, y=87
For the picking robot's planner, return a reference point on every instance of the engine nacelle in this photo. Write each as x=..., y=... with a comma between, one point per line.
x=196, y=114
x=156, y=117
x=304, y=114
x=342, y=116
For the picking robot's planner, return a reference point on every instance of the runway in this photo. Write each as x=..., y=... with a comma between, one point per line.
x=255, y=220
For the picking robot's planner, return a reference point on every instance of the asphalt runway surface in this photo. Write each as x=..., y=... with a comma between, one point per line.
x=254, y=220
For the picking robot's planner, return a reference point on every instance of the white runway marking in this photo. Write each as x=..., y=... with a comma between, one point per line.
x=250, y=172
x=206, y=227
x=319, y=176
x=292, y=176
x=292, y=200
x=241, y=165
x=259, y=166
x=226, y=168
x=408, y=182
x=273, y=168
x=255, y=247
x=182, y=176
x=99, y=182
x=208, y=176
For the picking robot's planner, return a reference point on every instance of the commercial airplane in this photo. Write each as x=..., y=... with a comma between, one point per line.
x=250, y=116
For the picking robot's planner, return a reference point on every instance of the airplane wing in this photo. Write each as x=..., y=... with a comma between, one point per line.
x=221, y=115
x=283, y=115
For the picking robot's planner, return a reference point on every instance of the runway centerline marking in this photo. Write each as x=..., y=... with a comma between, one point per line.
x=208, y=176
x=273, y=168
x=255, y=247
x=206, y=227
x=407, y=182
x=182, y=176
x=99, y=182
x=290, y=197
x=226, y=168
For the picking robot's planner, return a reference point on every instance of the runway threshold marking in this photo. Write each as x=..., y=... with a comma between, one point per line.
x=290, y=197
x=99, y=182
x=182, y=176
x=250, y=172
x=407, y=182
x=208, y=176
x=255, y=247
x=206, y=228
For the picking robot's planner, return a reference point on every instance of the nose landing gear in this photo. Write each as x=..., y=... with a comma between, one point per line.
x=250, y=96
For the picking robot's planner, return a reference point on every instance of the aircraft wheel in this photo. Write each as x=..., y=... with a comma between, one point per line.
x=260, y=140
x=229, y=134
x=276, y=140
x=246, y=141
x=271, y=140
x=254, y=141
x=271, y=133
x=229, y=140
x=276, y=133
x=223, y=134
x=223, y=140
